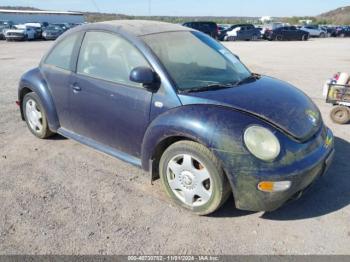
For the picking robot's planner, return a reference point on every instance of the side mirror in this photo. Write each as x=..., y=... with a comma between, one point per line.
x=142, y=75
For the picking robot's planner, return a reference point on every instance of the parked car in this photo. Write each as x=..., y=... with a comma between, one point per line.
x=52, y=32
x=314, y=31
x=209, y=28
x=2, y=32
x=63, y=26
x=241, y=32
x=4, y=25
x=177, y=103
x=20, y=33
x=330, y=30
x=222, y=29
x=272, y=26
x=37, y=27
x=342, y=31
x=286, y=33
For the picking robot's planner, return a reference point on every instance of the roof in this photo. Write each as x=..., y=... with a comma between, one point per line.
x=39, y=12
x=145, y=27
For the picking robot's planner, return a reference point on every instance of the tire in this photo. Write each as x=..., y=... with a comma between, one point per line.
x=279, y=38
x=200, y=172
x=33, y=119
x=231, y=38
x=340, y=115
x=304, y=38
x=322, y=35
x=342, y=35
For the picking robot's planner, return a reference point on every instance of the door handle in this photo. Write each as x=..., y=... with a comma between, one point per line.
x=76, y=88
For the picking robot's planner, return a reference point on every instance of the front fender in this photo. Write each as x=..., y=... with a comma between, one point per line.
x=218, y=128
x=35, y=82
x=184, y=121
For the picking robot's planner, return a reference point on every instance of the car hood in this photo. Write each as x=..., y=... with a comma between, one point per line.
x=15, y=31
x=272, y=100
x=52, y=31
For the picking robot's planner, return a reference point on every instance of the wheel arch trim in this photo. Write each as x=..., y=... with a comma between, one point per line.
x=33, y=81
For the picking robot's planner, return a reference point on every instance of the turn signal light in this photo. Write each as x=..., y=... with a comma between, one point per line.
x=274, y=186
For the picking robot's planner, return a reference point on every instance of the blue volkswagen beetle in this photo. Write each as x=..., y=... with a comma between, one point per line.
x=180, y=105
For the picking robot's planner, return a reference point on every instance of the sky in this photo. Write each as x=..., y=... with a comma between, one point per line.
x=189, y=7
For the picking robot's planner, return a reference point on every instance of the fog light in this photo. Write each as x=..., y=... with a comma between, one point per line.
x=271, y=186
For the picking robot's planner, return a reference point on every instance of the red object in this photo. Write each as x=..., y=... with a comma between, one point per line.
x=336, y=76
x=18, y=103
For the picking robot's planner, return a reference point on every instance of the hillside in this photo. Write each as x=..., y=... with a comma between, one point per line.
x=338, y=16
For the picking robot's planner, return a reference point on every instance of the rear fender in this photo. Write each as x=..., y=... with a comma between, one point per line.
x=33, y=81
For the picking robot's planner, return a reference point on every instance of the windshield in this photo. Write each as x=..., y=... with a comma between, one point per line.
x=196, y=61
x=52, y=27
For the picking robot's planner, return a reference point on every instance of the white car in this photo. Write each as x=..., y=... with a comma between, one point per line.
x=20, y=32
x=272, y=26
x=314, y=31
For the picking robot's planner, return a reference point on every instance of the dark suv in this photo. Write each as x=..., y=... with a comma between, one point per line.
x=209, y=28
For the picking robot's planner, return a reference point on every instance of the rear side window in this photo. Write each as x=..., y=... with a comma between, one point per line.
x=61, y=55
x=109, y=57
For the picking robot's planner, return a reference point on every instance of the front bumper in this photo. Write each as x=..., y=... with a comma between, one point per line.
x=50, y=37
x=301, y=173
x=15, y=38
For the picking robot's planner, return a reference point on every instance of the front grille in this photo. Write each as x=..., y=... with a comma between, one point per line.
x=15, y=34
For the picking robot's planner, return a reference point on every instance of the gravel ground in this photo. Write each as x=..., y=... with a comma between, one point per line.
x=60, y=197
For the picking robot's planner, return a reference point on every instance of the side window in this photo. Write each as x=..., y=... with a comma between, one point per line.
x=61, y=55
x=109, y=57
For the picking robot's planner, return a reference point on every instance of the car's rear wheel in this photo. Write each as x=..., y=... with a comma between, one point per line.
x=322, y=35
x=193, y=178
x=35, y=116
x=340, y=114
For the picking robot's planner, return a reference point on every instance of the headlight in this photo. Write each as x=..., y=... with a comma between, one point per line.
x=262, y=143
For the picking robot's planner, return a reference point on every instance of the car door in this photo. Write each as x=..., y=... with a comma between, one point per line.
x=294, y=33
x=105, y=105
x=250, y=32
x=312, y=30
x=286, y=33
x=240, y=32
x=57, y=69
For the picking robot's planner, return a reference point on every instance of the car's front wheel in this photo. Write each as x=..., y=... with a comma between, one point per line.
x=279, y=38
x=193, y=177
x=304, y=38
x=35, y=116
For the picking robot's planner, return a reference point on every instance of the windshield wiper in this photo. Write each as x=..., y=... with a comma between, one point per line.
x=252, y=76
x=216, y=86
x=208, y=87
